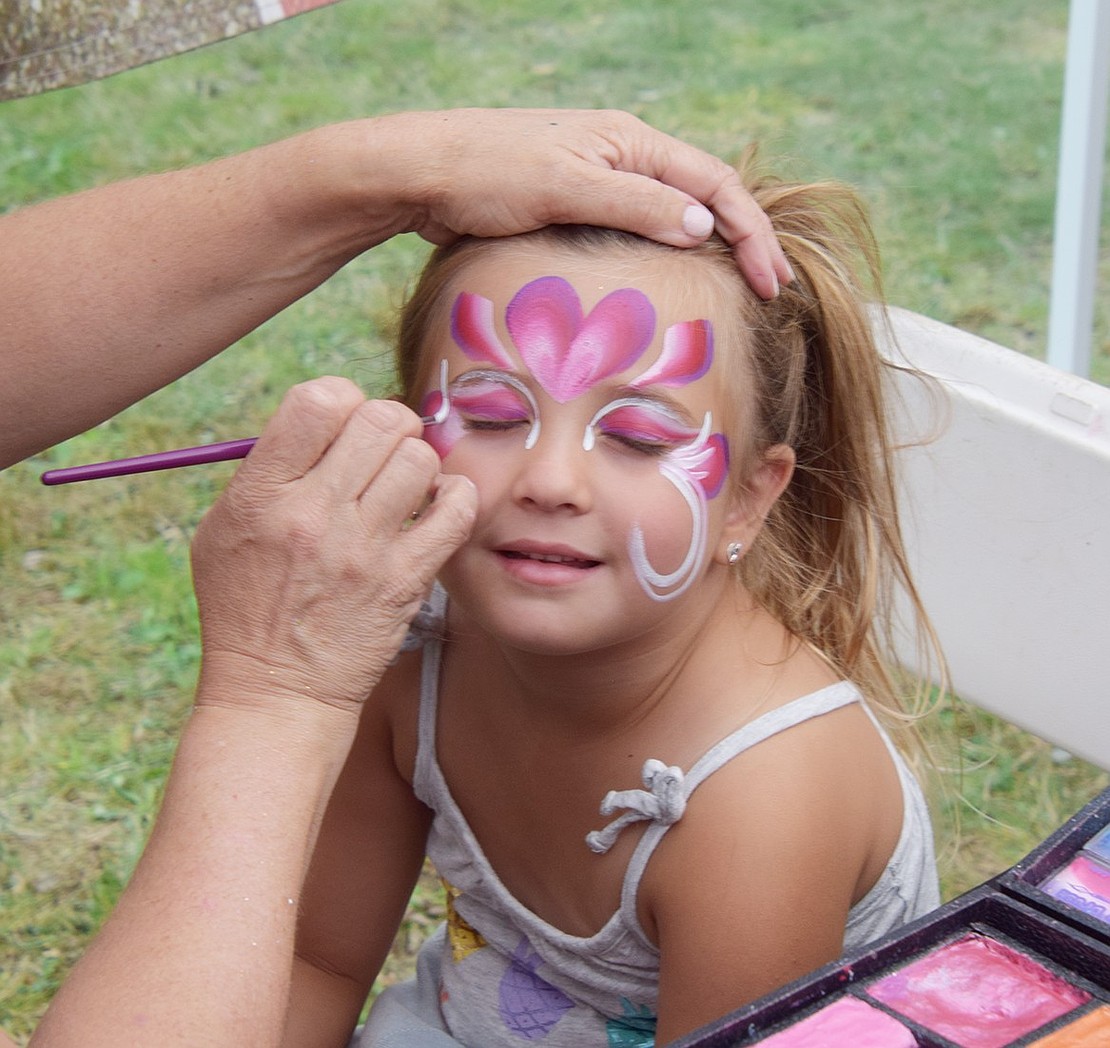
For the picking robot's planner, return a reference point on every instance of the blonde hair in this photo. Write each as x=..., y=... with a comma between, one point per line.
x=809, y=374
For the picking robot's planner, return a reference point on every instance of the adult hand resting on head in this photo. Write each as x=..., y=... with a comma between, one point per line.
x=307, y=570
x=111, y=293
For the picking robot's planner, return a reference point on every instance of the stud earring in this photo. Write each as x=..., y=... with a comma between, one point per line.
x=732, y=552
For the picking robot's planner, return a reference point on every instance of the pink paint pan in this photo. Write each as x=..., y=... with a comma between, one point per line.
x=983, y=971
x=1012, y=963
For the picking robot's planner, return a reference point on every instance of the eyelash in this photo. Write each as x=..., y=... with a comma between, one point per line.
x=649, y=448
x=642, y=447
x=493, y=425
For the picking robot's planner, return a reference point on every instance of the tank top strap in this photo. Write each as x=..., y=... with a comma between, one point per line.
x=668, y=800
x=427, y=634
x=816, y=704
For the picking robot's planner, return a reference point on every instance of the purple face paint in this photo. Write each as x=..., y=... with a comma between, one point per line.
x=482, y=401
x=640, y=422
x=845, y=1021
x=977, y=992
x=1085, y=884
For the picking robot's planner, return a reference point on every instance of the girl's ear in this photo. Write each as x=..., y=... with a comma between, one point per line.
x=751, y=505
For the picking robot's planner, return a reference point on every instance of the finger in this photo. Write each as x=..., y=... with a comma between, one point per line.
x=369, y=438
x=401, y=487
x=708, y=181
x=745, y=227
x=445, y=524
x=302, y=429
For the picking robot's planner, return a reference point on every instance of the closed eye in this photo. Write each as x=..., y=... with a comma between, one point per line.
x=494, y=402
x=478, y=424
x=640, y=427
x=644, y=445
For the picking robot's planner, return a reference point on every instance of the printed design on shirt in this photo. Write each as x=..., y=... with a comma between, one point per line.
x=463, y=938
x=530, y=1006
x=635, y=1029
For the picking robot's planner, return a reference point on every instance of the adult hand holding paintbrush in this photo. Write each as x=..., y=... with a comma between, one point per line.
x=307, y=570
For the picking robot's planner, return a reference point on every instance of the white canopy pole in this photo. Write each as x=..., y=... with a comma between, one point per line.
x=1079, y=186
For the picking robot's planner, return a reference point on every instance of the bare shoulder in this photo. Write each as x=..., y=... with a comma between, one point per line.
x=753, y=887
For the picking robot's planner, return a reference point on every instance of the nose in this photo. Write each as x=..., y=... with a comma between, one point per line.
x=555, y=474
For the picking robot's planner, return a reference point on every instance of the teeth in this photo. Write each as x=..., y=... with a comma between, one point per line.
x=549, y=558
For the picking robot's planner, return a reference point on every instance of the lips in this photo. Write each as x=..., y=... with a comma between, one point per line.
x=542, y=555
x=550, y=558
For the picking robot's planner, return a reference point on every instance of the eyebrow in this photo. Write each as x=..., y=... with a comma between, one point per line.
x=657, y=399
x=511, y=378
x=649, y=396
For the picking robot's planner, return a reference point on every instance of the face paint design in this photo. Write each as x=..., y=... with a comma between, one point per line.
x=568, y=353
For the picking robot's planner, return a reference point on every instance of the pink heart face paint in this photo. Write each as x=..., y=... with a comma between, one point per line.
x=570, y=354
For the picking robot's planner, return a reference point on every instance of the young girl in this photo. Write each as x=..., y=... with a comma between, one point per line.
x=637, y=729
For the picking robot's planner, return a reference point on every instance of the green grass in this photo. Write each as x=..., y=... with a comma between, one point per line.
x=945, y=115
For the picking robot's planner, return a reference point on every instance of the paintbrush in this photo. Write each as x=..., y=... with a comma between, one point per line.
x=224, y=451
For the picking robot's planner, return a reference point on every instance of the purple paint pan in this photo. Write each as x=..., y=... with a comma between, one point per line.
x=1083, y=883
x=1099, y=845
x=1063, y=874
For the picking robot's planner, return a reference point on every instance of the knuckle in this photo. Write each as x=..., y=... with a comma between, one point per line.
x=419, y=454
x=386, y=416
x=324, y=394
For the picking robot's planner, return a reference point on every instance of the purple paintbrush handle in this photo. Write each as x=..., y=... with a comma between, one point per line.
x=222, y=452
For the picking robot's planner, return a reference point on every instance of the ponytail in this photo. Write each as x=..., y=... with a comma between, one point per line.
x=831, y=559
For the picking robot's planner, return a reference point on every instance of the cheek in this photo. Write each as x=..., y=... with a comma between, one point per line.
x=647, y=501
x=443, y=436
x=486, y=471
x=669, y=543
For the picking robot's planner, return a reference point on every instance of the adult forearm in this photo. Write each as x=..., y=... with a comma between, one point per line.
x=112, y=293
x=200, y=947
x=109, y=294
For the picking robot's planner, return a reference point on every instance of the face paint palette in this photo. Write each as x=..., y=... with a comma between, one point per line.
x=1069, y=874
x=1014, y=962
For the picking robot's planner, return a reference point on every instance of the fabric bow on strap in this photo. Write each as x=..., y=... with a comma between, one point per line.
x=663, y=801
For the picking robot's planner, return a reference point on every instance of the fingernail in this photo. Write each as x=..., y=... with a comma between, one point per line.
x=697, y=221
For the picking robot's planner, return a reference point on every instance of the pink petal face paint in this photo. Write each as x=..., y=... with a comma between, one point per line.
x=568, y=353
x=977, y=992
x=687, y=354
x=473, y=330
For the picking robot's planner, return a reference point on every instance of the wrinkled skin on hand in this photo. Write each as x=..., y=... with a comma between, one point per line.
x=310, y=566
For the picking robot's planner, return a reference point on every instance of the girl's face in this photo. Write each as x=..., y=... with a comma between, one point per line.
x=587, y=409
